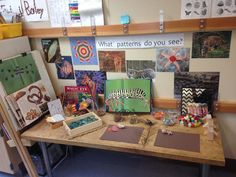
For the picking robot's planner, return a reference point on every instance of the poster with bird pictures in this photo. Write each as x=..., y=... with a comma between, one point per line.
x=193, y=9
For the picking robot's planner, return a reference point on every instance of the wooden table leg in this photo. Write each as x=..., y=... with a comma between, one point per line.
x=204, y=170
x=43, y=147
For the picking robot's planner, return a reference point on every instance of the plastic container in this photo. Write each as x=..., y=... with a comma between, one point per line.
x=10, y=30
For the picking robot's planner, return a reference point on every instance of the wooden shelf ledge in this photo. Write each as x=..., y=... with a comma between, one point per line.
x=209, y=24
x=168, y=103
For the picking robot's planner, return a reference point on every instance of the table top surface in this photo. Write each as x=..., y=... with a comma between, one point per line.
x=211, y=152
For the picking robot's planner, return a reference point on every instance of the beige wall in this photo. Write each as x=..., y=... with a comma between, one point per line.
x=148, y=11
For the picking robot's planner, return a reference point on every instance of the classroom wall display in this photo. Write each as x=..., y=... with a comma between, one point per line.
x=29, y=103
x=172, y=59
x=128, y=95
x=207, y=80
x=51, y=49
x=92, y=79
x=112, y=61
x=211, y=44
x=83, y=51
x=18, y=72
x=65, y=68
x=34, y=10
x=191, y=9
x=140, y=69
x=223, y=8
x=140, y=41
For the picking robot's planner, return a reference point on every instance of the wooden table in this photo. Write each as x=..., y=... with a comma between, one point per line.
x=211, y=152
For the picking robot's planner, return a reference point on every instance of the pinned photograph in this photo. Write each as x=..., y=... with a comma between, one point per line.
x=93, y=79
x=211, y=44
x=112, y=61
x=51, y=49
x=83, y=51
x=140, y=69
x=206, y=80
x=173, y=59
x=65, y=68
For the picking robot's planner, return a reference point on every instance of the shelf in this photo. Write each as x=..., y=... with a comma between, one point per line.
x=220, y=106
x=210, y=24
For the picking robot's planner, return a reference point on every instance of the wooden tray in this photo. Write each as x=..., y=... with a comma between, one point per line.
x=84, y=128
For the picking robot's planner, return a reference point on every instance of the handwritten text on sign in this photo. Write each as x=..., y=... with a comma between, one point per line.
x=35, y=10
x=144, y=41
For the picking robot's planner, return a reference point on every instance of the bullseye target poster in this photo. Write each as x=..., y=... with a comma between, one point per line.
x=83, y=51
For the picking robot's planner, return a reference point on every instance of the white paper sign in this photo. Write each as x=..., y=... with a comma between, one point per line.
x=63, y=13
x=91, y=13
x=34, y=10
x=7, y=6
x=9, y=9
x=223, y=8
x=193, y=9
x=144, y=41
x=55, y=107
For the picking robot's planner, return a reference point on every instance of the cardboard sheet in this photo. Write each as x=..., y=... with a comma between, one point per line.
x=179, y=140
x=126, y=135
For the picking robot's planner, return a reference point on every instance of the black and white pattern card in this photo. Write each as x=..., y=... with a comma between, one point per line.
x=193, y=9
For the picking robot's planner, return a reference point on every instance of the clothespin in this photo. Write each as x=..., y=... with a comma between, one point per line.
x=161, y=21
x=93, y=25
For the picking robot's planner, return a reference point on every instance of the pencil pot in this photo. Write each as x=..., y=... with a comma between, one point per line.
x=10, y=30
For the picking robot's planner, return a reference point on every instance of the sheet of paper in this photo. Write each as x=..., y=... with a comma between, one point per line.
x=141, y=41
x=91, y=13
x=34, y=10
x=55, y=107
x=191, y=9
x=9, y=9
x=223, y=8
x=64, y=13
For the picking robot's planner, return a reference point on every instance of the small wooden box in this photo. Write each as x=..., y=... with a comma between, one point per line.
x=83, y=128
